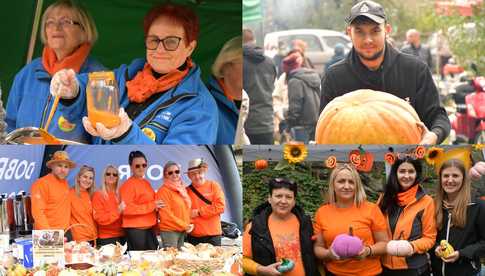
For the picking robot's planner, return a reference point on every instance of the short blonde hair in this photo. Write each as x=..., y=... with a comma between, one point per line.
x=81, y=15
x=231, y=52
x=359, y=196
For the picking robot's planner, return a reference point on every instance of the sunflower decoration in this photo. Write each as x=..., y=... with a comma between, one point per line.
x=295, y=152
x=478, y=147
x=433, y=154
x=331, y=162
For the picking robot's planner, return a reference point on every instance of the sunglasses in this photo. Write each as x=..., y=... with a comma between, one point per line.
x=173, y=172
x=111, y=174
x=141, y=165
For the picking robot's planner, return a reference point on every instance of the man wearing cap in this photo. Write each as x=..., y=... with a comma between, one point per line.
x=374, y=64
x=51, y=207
x=207, y=205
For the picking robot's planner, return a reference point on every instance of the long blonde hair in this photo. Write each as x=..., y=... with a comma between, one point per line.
x=458, y=213
x=83, y=170
x=104, y=190
x=359, y=196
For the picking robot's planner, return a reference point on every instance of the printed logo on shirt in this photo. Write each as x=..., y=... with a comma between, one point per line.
x=166, y=116
x=149, y=133
x=65, y=125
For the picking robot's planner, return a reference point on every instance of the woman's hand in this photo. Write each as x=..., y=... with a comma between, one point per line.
x=331, y=255
x=189, y=228
x=109, y=133
x=477, y=171
x=121, y=207
x=159, y=204
x=64, y=84
x=453, y=257
x=194, y=213
x=269, y=270
x=364, y=253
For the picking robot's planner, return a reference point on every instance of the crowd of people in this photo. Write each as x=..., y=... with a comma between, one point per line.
x=289, y=109
x=162, y=96
x=401, y=234
x=131, y=211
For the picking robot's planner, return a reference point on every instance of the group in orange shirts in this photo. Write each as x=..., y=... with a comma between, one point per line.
x=132, y=212
x=352, y=236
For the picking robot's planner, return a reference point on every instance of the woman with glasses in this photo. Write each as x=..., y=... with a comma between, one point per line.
x=107, y=209
x=461, y=222
x=410, y=215
x=175, y=216
x=348, y=212
x=225, y=85
x=139, y=206
x=83, y=227
x=279, y=230
x=68, y=34
x=163, y=96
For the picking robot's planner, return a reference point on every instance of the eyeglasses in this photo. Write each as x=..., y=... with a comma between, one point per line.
x=173, y=172
x=141, y=165
x=170, y=43
x=111, y=174
x=64, y=22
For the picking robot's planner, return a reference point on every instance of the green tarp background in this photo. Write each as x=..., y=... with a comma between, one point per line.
x=120, y=28
x=252, y=10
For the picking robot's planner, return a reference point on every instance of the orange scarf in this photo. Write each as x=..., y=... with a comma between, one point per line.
x=408, y=196
x=180, y=188
x=224, y=89
x=144, y=84
x=73, y=61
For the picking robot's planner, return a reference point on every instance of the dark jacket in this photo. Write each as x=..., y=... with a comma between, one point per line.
x=259, y=74
x=401, y=75
x=422, y=53
x=304, y=99
x=262, y=244
x=469, y=241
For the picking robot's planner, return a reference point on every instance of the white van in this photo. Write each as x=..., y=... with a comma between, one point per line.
x=320, y=43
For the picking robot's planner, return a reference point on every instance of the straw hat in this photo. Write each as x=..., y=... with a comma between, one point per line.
x=197, y=164
x=60, y=157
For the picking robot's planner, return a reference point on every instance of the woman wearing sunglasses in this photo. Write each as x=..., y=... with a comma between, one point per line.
x=139, y=206
x=107, y=209
x=163, y=96
x=175, y=216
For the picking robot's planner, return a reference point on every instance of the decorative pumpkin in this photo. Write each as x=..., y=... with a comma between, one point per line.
x=347, y=245
x=399, y=248
x=445, y=249
x=368, y=117
x=362, y=160
x=331, y=162
x=260, y=164
x=420, y=152
x=390, y=158
x=286, y=265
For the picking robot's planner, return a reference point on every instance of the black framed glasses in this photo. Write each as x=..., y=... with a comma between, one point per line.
x=141, y=165
x=111, y=174
x=173, y=172
x=170, y=43
x=64, y=22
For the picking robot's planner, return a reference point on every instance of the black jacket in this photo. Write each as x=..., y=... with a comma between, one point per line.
x=259, y=74
x=422, y=53
x=262, y=244
x=304, y=99
x=470, y=242
x=401, y=75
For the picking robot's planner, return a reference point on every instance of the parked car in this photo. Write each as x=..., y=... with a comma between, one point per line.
x=320, y=43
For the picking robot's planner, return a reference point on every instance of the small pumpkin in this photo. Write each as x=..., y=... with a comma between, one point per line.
x=368, y=117
x=390, y=158
x=399, y=247
x=347, y=245
x=445, y=249
x=331, y=162
x=362, y=160
x=261, y=164
x=286, y=265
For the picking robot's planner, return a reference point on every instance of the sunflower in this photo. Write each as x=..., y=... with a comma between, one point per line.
x=295, y=152
x=433, y=154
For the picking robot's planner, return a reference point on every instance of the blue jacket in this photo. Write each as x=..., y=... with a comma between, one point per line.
x=185, y=114
x=228, y=114
x=29, y=103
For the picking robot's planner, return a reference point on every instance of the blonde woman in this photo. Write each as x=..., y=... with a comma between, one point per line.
x=460, y=220
x=348, y=207
x=107, y=209
x=225, y=85
x=83, y=226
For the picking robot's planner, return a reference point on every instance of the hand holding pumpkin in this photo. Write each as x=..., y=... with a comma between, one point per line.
x=400, y=248
x=428, y=137
x=453, y=257
x=269, y=270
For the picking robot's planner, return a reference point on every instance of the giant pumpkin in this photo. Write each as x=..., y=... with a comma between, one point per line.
x=368, y=117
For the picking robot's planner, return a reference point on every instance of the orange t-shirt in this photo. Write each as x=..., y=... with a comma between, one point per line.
x=209, y=221
x=139, y=197
x=51, y=207
x=105, y=213
x=331, y=221
x=175, y=216
x=82, y=221
x=286, y=242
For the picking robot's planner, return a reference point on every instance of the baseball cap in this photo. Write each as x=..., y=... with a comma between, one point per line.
x=369, y=9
